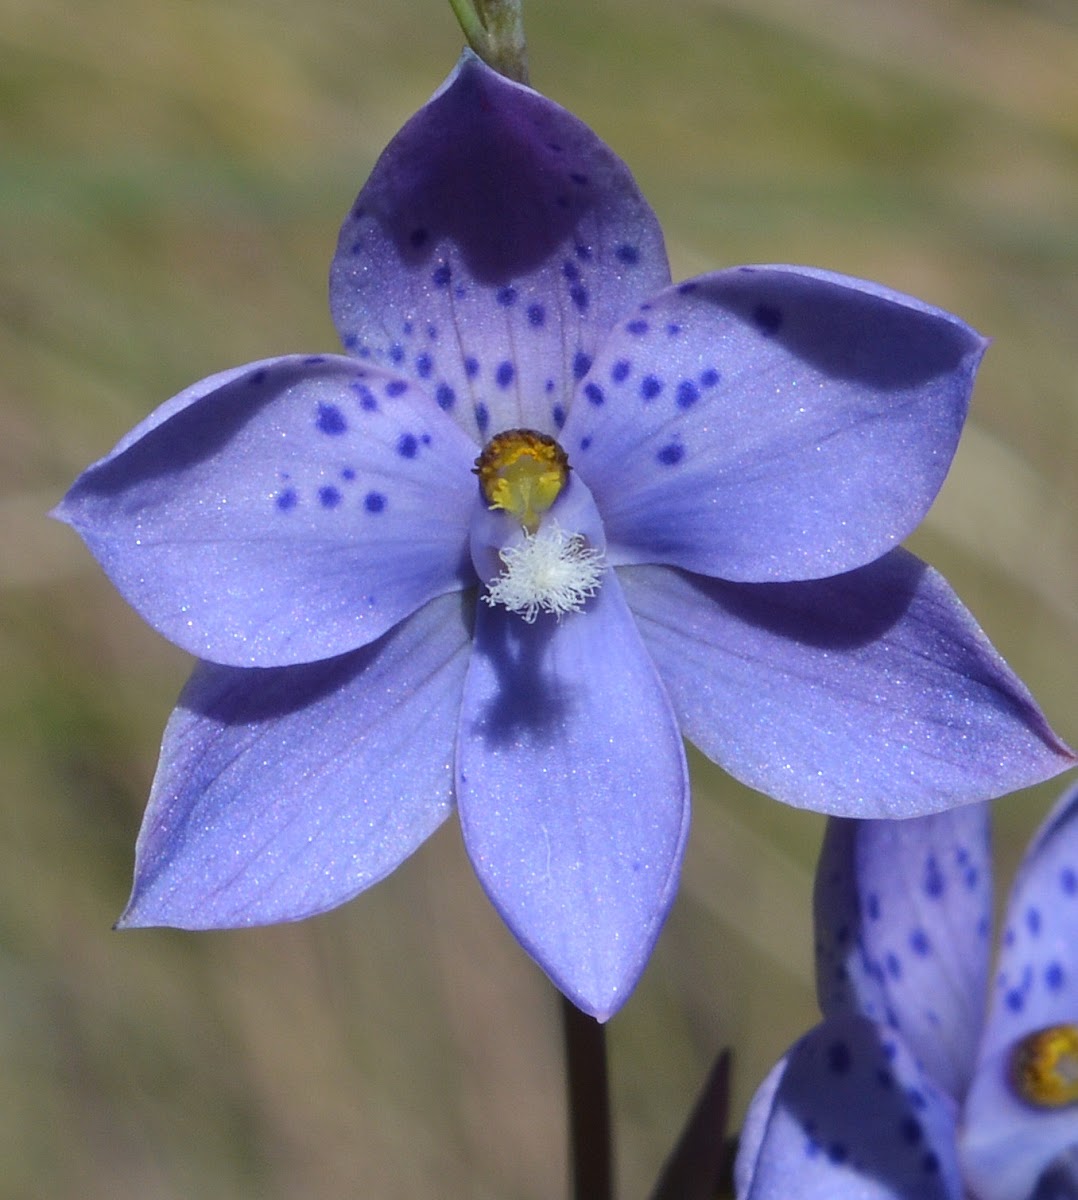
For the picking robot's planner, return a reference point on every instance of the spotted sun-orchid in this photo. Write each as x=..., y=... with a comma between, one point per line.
x=917, y=1085
x=548, y=513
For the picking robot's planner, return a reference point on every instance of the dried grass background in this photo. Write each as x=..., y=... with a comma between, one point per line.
x=172, y=175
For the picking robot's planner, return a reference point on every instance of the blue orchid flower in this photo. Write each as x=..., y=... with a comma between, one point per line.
x=548, y=514
x=914, y=1087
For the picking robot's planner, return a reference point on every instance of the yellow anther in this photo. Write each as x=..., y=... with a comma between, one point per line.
x=522, y=472
x=1044, y=1067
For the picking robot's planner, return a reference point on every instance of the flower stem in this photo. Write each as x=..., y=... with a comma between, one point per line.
x=589, y=1105
x=495, y=31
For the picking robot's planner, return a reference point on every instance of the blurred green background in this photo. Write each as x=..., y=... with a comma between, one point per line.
x=172, y=175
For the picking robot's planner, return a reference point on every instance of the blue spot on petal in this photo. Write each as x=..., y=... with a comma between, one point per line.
x=396, y=354
x=329, y=497
x=287, y=499
x=396, y=387
x=507, y=296
x=581, y=364
x=594, y=393
x=257, y=377
x=445, y=396
x=1033, y=921
x=331, y=420
x=709, y=378
x=637, y=327
x=571, y=271
x=934, y=884
x=687, y=393
x=367, y=399
x=579, y=296
x=471, y=366
x=348, y=474
x=650, y=387
x=536, y=316
x=407, y=445
x=374, y=502
x=670, y=455
x=619, y=372
x=629, y=255
x=442, y=275
x=558, y=413
x=919, y=942
x=504, y=375
x=585, y=443
x=424, y=364
x=482, y=417
x=1068, y=881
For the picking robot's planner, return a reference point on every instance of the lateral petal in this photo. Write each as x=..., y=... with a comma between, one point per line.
x=771, y=423
x=283, y=512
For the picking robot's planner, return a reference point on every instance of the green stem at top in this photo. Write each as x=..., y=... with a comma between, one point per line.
x=495, y=31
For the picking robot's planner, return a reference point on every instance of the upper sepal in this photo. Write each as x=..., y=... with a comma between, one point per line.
x=494, y=245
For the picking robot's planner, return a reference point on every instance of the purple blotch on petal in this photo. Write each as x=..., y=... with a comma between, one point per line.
x=671, y=454
x=536, y=316
x=579, y=296
x=709, y=378
x=424, y=364
x=445, y=396
x=407, y=445
x=637, y=327
x=767, y=319
x=396, y=387
x=619, y=372
x=629, y=255
x=374, y=502
x=558, y=413
x=396, y=354
x=287, y=499
x=442, y=275
x=594, y=393
x=581, y=364
x=482, y=417
x=504, y=375
x=471, y=366
x=329, y=497
x=650, y=387
x=507, y=296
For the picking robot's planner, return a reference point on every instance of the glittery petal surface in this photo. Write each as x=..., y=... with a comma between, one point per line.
x=848, y=1116
x=284, y=512
x=495, y=243
x=903, y=928
x=871, y=694
x=573, y=792
x=771, y=423
x=1009, y=1142
x=283, y=792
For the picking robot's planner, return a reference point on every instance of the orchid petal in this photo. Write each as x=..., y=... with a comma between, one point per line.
x=284, y=512
x=771, y=423
x=871, y=694
x=903, y=919
x=284, y=792
x=848, y=1115
x=495, y=243
x=1008, y=1141
x=573, y=792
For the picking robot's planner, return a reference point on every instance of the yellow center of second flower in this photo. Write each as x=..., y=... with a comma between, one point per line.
x=1044, y=1067
x=522, y=472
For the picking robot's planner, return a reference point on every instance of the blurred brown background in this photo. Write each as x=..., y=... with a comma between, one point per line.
x=172, y=175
